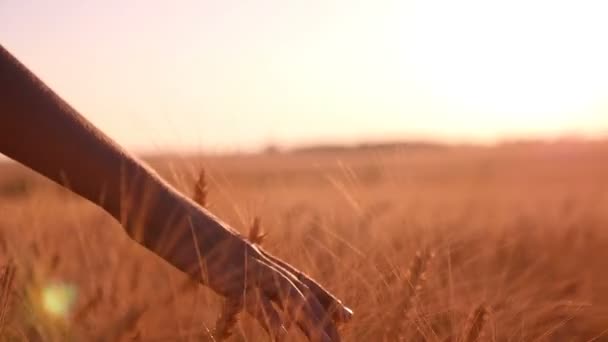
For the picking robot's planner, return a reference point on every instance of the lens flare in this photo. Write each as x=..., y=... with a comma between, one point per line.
x=58, y=298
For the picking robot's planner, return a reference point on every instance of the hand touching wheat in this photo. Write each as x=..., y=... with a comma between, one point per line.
x=258, y=280
x=253, y=280
x=306, y=302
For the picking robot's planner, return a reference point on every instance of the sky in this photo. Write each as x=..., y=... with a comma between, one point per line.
x=240, y=75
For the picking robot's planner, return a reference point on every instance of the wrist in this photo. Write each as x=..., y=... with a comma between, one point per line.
x=170, y=225
x=135, y=197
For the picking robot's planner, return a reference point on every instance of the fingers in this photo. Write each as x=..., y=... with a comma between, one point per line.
x=299, y=303
x=337, y=310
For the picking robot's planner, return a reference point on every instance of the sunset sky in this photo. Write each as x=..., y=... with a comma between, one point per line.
x=225, y=75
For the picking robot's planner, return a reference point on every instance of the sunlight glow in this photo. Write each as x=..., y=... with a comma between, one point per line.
x=58, y=299
x=534, y=62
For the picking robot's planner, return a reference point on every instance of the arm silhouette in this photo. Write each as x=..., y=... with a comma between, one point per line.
x=41, y=131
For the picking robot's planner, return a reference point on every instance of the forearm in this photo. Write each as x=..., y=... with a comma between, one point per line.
x=41, y=131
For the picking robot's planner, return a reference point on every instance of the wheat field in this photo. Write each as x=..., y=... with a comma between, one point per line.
x=464, y=243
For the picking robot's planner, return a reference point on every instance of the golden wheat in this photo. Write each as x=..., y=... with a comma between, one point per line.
x=520, y=229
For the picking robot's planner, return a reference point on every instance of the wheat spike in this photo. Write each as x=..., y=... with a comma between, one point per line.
x=256, y=233
x=414, y=281
x=227, y=319
x=475, y=324
x=416, y=276
x=200, y=189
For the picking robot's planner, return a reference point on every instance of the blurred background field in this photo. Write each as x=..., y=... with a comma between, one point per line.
x=424, y=242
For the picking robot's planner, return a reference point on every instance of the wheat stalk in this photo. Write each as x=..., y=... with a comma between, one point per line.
x=416, y=276
x=231, y=307
x=475, y=323
x=6, y=284
x=200, y=189
x=414, y=282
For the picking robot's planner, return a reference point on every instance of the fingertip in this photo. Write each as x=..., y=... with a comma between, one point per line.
x=341, y=314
